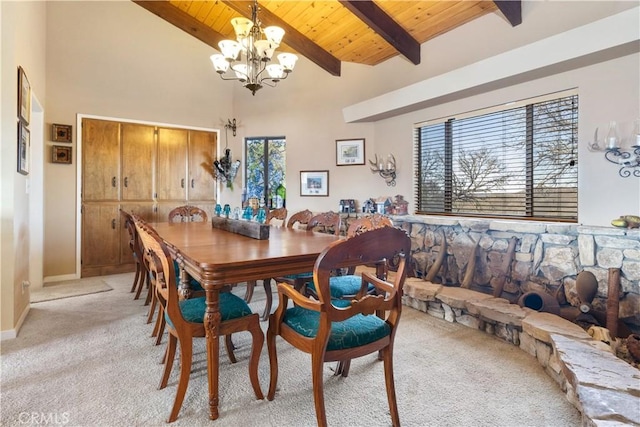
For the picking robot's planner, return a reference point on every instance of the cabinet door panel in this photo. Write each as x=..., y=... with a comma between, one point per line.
x=138, y=144
x=100, y=234
x=202, y=148
x=100, y=160
x=171, y=176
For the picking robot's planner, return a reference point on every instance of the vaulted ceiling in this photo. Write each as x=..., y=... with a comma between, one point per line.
x=328, y=32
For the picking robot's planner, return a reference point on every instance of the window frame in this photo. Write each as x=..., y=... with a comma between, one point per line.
x=450, y=142
x=265, y=165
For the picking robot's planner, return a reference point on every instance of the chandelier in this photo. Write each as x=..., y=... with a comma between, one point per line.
x=249, y=56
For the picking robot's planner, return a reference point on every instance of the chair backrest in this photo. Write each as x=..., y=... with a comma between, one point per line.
x=367, y=223
x=188, y=213
x=325, y=222
x=134, y=239
x=279, y=214
x=374, y=247
x=300, y=219
x=160, y=265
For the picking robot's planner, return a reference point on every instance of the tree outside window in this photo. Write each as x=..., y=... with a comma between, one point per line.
x=265, y=168
x=519, y=162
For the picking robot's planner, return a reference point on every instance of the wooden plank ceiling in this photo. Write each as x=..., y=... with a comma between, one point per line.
x=328, y=32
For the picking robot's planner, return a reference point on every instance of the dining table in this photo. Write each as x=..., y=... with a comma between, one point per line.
x=217, y=258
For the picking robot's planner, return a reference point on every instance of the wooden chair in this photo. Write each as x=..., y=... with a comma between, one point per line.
x=346, y=284
x=184, y=214
x=297, y=220
x=300, y=219
x=141, y=277
x=185, y=318
x=330, y=332
x=279, y=214
x=324, y=222
x=187, y=213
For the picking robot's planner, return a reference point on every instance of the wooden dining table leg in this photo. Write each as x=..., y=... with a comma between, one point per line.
x=212, y=329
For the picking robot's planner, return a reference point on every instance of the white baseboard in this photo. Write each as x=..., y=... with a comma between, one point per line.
x=60, y=278
x=13, y=333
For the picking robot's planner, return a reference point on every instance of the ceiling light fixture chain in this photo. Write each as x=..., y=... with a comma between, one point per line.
x=249, y=56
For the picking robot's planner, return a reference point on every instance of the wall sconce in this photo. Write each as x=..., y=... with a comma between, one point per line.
x=224, y=169
x=386, y=170
x=628, y=160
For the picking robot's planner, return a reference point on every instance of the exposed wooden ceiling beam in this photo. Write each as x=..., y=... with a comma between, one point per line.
x=182, y=20
x=293, y=37
x=372, y=15
x=511, y=9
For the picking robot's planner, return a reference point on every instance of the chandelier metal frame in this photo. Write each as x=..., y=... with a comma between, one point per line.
x=249, y=55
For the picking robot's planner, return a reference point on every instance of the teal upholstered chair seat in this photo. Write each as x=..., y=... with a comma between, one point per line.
x=342, y=286
x=231, y=307
x=356, y=331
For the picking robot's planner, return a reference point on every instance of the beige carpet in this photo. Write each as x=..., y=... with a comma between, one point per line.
x=70, y=288
x=90, y=361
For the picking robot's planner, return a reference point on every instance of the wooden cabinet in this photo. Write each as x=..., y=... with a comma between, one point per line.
x=141, y=169
x=138, y=146
x=172, y=164
x=100, y=160
x=202, y=149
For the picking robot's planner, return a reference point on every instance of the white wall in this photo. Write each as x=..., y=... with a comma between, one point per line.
x=22, y=44
x=115, y=59
x=609, y=90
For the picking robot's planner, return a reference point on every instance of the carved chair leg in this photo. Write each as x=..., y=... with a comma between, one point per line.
x=249, y=292
x=273, y=363
x=186, y=356
x=230, y=347
x=390, y=383
x=135, y=279
x=318, y=390
x=269, y=299
x=169, y=357
x=256, y=349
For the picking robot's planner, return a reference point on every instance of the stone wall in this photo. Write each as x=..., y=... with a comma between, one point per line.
x=547, y=257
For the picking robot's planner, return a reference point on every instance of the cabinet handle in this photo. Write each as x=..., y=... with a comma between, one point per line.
x=182, y=183
x=193, y=183
x=126, y=181
x=113, y=223
x=113, y=182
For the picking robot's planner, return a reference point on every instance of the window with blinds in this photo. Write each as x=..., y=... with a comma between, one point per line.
x=520, y=161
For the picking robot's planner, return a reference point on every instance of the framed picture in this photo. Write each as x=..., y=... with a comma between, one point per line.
x=349, y=152
x=61, y=154
x=314, y=183
x=24, y=146
x=24, y=97
x=60, y=133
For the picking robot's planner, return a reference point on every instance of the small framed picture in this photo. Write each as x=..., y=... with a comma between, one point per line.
x=61, y=154
x=314, y=183
x=60, y=133
x=24, y=147
x=349, y=152
x=24, y=97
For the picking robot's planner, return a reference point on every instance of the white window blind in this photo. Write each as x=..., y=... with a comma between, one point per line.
x=519, y=162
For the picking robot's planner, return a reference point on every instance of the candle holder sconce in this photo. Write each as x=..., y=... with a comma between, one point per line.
x=385, y=170
x=627, y=159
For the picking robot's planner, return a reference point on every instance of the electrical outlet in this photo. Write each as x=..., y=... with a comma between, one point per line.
x=25, y=285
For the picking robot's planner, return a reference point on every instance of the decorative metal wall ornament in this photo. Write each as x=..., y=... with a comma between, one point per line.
x=386, y=171
x=225, y=169
x=628, y=160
